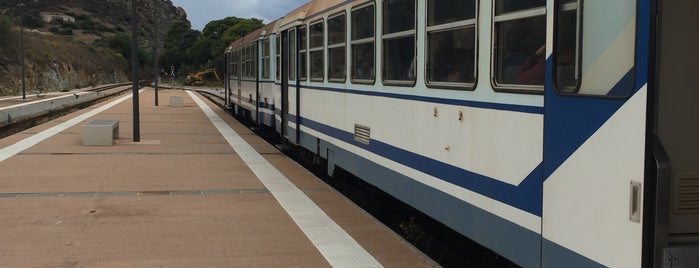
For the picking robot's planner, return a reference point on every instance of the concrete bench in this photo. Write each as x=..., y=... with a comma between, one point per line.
x=176, y=101
x=100, y=132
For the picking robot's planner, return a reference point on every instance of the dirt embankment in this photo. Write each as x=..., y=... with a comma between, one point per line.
x=55, y=63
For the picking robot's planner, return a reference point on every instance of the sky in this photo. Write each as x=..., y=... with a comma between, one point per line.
x=201, y=12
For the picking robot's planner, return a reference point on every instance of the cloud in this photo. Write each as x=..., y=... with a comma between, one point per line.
x=203, y=11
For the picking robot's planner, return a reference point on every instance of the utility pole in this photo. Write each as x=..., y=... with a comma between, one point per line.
x=157, y=56
x=134, y=73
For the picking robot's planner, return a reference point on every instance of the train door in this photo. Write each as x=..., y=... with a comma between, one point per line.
x=594, y=134
x=676, y=136
x=290, y=94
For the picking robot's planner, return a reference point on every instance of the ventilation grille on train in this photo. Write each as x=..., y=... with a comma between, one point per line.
x=362, y=134
x=687, y=196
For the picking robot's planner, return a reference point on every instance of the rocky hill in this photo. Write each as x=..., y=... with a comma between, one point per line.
x=67, y=41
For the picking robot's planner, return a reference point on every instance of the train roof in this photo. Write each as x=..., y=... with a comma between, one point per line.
x=310, y=11
x=296, y=16
x=256, y=34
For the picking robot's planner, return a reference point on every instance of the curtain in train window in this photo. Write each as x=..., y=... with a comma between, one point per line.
x=363, y=45
x=519, y=44
x=337, y=63
x=316, y=51
x=399, y=63
x=451, y=43
x=594, y=47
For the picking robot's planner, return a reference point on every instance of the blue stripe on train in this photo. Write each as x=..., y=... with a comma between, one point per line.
x=526, y=196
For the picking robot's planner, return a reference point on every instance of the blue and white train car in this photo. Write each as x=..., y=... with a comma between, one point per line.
x=557, y=133
x=250, y=83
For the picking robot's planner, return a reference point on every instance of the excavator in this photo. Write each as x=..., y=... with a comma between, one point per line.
x=197, y=78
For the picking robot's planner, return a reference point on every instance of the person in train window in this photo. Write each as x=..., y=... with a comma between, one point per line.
x=532, y=71
x=460, y=66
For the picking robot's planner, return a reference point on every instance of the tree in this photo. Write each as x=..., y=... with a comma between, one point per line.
x=180, y=39
x=191, y=50
x=7, y=36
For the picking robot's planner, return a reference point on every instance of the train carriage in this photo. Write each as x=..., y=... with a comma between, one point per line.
x=556, y=133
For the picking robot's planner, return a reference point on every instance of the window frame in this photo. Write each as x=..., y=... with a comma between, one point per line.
x=338, y=45
x=316, y=49
x=513, y=16
x=369, y=40
x=453, y=26
x=396, y=35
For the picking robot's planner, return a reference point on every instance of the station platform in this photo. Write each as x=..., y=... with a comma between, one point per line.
x=198, y=190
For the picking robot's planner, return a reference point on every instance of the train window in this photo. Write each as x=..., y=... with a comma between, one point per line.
x=363, y=54
x=451, y=43
x=278, y=51
x=399, y=53
x=593, y=48
x=265, y=58
x=519, y=44
x=316, y=51
x=337, y=63
x=292, y=56
x=566, y=46
x=302, y=54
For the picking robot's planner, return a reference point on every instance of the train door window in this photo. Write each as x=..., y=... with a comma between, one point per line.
x=234, y=64
x=302, y=54
x=399, y=62
x=594, y=47
x=316, y=51
x=265, y=58
x=241, y=60
x=244, y=62
x=363, y=45
x=249, y=60
x=292, y=54
x=254, y=54
x=278, y=50
x=451, y=43
x=337, y=49
x=519, y=45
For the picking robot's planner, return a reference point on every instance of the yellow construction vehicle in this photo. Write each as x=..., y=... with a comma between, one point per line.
x=197, y=78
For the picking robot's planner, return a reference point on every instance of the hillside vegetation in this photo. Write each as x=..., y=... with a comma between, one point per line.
x=91, y=43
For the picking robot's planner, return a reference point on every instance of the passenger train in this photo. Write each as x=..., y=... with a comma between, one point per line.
x=559, y=133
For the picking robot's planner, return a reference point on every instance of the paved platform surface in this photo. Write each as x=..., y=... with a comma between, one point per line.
x=182, y=197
